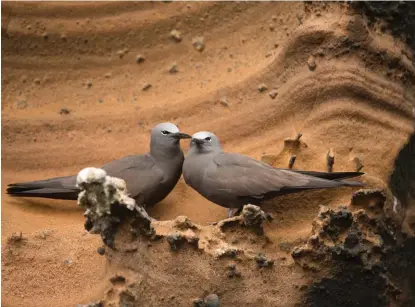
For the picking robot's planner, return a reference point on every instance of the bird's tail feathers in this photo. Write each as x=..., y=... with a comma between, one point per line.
x=329, y=176
x=352, y=183
x=57, y=188
x=65, y=194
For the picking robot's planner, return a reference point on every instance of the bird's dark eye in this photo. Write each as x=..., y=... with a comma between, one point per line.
x=208, y=138
x=165, y=132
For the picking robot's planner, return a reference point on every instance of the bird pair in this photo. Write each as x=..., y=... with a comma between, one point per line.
x=227, y=179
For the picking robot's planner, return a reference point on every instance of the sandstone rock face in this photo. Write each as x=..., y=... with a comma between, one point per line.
x=82, y=83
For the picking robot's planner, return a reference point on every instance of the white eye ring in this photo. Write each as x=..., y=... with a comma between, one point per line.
x=165, y=132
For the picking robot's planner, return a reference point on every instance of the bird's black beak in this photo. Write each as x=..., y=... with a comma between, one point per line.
x=179, y=136
x=198, y=141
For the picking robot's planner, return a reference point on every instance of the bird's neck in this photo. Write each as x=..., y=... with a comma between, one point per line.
x=196, y=151
x=161, y=153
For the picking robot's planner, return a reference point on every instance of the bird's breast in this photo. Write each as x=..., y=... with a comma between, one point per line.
x=194, y=169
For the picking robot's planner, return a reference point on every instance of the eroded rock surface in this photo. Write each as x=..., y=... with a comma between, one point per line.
x=354, y=253
x=107, y=204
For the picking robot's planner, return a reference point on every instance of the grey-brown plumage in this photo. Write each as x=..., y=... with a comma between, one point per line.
x=233, y=180
x=149, y=177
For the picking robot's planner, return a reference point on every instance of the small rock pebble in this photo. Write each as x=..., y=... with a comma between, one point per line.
x=96, y=304
x=176, y=35
x=122, y=52
x=175, y=241
x=320, y=52
x=146, y=86
x=263, y=262
x=68, y=262
x=232, y=271
x=199, y=43
x=262, y=88
x=173, y=69
x=117, y=279
x=64, y=111
x=140, y=59
x=101, y=251
x=273, y=94
x=311, y=62
x=224, y=101
x=212, y=300
x=198, y=302
x=358, y=164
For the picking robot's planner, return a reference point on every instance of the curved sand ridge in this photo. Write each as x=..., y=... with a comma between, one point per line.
x=354, y=102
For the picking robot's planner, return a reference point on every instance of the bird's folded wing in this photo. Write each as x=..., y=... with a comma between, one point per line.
x=139, y=172
x=243, y=176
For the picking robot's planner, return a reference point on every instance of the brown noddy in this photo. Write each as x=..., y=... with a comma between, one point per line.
x=149, y=177
x=233, y=180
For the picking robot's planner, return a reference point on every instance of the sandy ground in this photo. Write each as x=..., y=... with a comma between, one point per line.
x=82, y=57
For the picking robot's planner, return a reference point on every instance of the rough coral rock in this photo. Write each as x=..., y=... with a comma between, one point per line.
x=107, y=203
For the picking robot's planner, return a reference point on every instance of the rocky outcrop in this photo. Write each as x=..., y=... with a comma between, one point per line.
x=356, y=254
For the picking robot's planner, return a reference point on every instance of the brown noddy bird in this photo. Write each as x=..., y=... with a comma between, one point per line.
x=149, y=177
x=233, y=180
